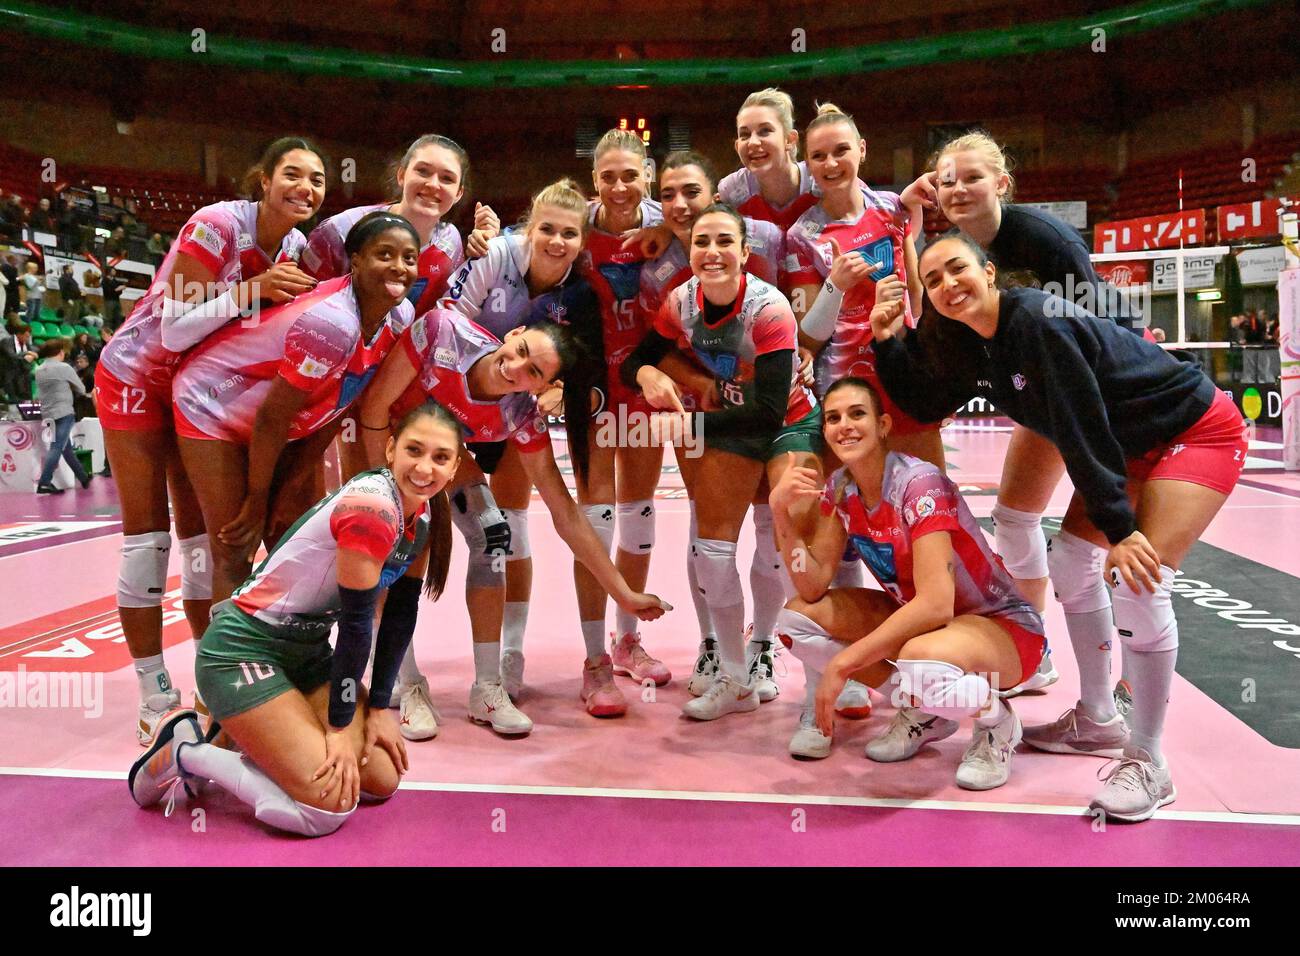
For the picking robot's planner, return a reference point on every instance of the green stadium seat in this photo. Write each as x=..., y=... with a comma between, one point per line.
x=38, y=330
x=48, y=314
x=65, y=330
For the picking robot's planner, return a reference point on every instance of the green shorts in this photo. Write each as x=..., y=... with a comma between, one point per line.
x=805, y=435
x=243, y=662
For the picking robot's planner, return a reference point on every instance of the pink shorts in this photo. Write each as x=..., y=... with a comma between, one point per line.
x=187, y=429
x=127, y=408
x=1211, y=453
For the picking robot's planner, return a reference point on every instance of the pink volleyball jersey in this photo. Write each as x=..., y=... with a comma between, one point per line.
x=740, y=190
x=444, y=346
x=325, y=257
x=296, y=586
x=917, y=499
x=760, y=323
x=673, y=267
x=877, y=235
x=313, y=343
x=223, y=237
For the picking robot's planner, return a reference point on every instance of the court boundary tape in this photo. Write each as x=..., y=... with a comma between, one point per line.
x=705, y=796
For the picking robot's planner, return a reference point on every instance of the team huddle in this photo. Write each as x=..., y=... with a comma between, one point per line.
x=784, y=323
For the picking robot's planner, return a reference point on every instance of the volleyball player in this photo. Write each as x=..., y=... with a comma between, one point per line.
x=430, y=178
x=256, y=407
x=742, y=330
x=772, y=185
x=1153, y=450
x=487, y=383
x=314, y=742
x=949, y=619
x=227, y=258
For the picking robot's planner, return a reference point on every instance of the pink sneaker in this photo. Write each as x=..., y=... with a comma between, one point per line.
x=630, y=658
x=603, y=699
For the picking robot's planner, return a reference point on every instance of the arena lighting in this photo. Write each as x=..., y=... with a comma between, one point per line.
x=1209, y=295
x=1019, y=40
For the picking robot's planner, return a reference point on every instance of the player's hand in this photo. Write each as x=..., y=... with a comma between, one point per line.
x=1133, y=561
x=828, y=691
x=923, y=192
x=476, y=246
x=659, y=390
x=796, y=482
x=486, y=220
x=339, y=770
x=887, y=317
x=280, y=283
x=848, y=270
x=550, y=401
x=806, y=373
x=647, y=607
x=245, y=529
x=652, y=240
x=382, y=729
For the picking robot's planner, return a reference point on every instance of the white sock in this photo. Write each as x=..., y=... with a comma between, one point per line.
x=992, y=715
x=487, y=662
x=1153, y=677
x=152, y=676
x=408, y=672
x=811, y=678
x=765, y=575
x=715, y=562
x=697, y=597
x=625, y=622
x=513, y=624
x=593, y=636
x=246, y=781
x=1091, y=635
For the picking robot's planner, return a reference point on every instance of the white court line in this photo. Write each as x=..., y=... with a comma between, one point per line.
x=1195, y=816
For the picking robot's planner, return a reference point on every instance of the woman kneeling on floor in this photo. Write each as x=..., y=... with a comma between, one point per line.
x=950, y=619
x=314, y=742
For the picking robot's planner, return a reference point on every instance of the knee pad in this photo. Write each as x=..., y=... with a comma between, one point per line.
x=299, y=818
x=943, y=689
x=1075, y=567
x=1018, y=539
x=601, y=519
x=767, y=558
x=636, y=526
x=196, y=568
x=483, y=570
x=715, y=569
x=806, y=639
x=519, y=546
x=1146, y=621
x=142, y=575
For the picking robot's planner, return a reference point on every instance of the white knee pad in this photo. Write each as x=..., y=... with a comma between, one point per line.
x=806, y=639
x=1075, y=567
x=767, y=558
x=601, y=519
x=483, y=570
x=636, y=526
x=142, y=575
x=519, y=546
x=299, y=818
x=715, y=569
x=196, y=568
x=1018, y=539
x=943, y=689
x=1146, y=621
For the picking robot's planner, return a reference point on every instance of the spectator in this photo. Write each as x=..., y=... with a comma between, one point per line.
x=116, y=244
x=1273, y=331
x=16, y=358
x=1158, y=335
x=9, y=269
x=73, y=299
x=156, y=247
x=42, y=220
x=4, y=293
x=34, y=284
x=56, y=383
x=112, y=285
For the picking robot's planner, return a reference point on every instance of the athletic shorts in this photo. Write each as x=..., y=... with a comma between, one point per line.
x=487, y=454
x=187, y=429
x=1030, y=645
x=243, y=662
x=804, y=435
x=128, y=408
x=1212, y=453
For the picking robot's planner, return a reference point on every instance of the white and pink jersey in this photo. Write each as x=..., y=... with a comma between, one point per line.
x=917, y=499
x=877, y=235
x=441, y=256
x=313, y=343
x=443, y=346
x=296, y=586
x=223, y=237
x=760, y=322
x=673, y=267
x=741, y=191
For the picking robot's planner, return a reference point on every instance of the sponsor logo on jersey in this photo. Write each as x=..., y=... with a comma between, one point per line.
x=310, y=368
x=924, y=506
x=204, y=235
x=310, y=259
x=665, y=272
x=243, y=241
x=420, y=335
x=444, y=356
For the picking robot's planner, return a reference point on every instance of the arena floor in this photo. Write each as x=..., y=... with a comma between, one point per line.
x=654, y=787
